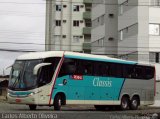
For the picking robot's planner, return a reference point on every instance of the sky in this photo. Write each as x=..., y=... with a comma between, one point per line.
x=21, y=21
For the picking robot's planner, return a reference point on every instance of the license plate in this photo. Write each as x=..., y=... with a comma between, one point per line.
x=18, y=100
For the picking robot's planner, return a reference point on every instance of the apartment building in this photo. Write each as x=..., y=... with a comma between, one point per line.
x=68, y=25
x=138, y=30
x=104, y=27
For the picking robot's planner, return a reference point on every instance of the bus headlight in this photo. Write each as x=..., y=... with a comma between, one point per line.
x=33, y=93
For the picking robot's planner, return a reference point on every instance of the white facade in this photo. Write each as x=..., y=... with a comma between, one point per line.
x=138, y=29
x=65, y=23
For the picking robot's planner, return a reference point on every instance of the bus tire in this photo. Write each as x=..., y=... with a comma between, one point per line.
x=125, y=103
x=32, y=107
x=134, y=103
x=100, y=107
x=57, y=102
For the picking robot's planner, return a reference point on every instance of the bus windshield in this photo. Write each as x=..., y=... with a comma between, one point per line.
x=22, y=77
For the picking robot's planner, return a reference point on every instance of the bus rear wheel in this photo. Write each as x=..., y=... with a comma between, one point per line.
x=57, y=102
x=134, y=103
x=125, y=103
x=32, y=107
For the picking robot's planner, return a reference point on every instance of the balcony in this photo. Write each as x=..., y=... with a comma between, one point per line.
x=87, y=15
x=87, y=30
x=87, y=1
x=86, y=46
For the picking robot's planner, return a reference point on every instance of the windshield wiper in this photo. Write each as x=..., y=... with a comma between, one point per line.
x=17, y=79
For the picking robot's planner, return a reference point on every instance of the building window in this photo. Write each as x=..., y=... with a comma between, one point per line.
x=157, y=57
x=88, y=9
x=154, y=29
x=64, y=6
x=76, y=23
x=101, y=42
x=155, y=2
x=75, y=8
x=76, y=39
x=102, y=20
x=122, y=7
x=158, y=2
x=154, y=57
x=121, y=35
x=58, y=22
x=58, y=7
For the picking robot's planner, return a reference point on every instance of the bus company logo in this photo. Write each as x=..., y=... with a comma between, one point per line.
x=102, y=83
x=77, y=77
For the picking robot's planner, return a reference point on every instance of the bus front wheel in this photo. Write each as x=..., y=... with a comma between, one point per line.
x=57, y=102
x=125, y=103
x=32, y=107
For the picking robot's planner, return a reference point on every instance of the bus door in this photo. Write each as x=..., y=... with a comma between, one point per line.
x=45, y=76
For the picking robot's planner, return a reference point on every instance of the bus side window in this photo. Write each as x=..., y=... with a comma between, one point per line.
x=106, y=69
x=116, y=70
x=79, y=67
x=99, y=69
x=111, y=69
x=128, y=71
x=47, y=72
x=68, y=67
x=119, y=71
x=88, y=69
x=149, y=72
x=139, y=72
x=62, y=71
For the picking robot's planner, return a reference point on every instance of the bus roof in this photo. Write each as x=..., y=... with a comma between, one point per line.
x=67, y=54
x=96, y=58
x=40, y=55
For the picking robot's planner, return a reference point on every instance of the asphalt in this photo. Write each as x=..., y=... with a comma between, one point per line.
x=8, y=111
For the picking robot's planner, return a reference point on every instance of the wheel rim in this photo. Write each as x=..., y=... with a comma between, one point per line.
x=59, y=102
x=124, y=104
x=134, y=103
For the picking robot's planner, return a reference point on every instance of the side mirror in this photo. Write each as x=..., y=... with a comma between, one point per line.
x=38, y=66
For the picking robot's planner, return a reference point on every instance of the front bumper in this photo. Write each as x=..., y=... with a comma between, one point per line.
x=14, y=99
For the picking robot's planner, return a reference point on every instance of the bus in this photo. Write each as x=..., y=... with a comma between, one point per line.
x=57, y=78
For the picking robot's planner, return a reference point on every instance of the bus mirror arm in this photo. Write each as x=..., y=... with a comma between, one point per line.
x=9, y=67
x=38, y=66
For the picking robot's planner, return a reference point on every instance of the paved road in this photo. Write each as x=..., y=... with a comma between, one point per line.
x=71, y=112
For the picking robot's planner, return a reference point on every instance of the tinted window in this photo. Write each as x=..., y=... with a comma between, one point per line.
x=88, y=67
x=149, y=72
x=101, y=69
x=67, y=66
x=128, y=71
x=139, y=72
x=47, y=72
x=95, y=68
x=115, y=70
